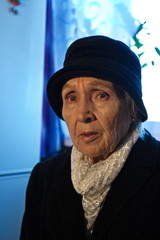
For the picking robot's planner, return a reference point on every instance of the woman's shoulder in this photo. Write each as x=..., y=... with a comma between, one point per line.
x=148, y=138
x=45, y=170
x=55, y=161
x=148, y=147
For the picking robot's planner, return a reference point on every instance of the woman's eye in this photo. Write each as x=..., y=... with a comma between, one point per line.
x=71, y=98
x=103, y=95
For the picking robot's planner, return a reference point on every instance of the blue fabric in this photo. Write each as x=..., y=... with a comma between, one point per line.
x=51, y=136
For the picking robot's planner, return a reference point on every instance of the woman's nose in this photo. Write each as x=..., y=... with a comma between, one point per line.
x=85, y=112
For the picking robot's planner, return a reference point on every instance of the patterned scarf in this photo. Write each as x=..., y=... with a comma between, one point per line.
x=93, y=181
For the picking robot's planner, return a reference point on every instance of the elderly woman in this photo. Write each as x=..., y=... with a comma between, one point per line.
x=107, y=186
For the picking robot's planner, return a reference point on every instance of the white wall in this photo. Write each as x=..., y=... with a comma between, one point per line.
x=22, y=39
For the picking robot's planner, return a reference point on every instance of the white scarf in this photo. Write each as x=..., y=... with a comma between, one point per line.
x=93, y=181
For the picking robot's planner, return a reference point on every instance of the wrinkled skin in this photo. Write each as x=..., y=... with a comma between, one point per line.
x=98, y=120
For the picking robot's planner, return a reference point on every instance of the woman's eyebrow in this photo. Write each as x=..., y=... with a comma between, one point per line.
x=92, y=84
x=100, y=84
x=69, y=86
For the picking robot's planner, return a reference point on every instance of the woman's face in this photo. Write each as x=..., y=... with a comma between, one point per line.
x=97, y=119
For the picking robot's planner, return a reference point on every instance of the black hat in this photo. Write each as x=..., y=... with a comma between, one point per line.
x=100, y=57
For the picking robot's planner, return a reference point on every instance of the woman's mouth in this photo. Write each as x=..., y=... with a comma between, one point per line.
x=88, y=136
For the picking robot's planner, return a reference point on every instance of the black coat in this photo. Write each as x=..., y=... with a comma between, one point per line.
x=131, y=209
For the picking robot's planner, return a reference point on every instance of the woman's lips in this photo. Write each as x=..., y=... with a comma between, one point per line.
x=88, y=136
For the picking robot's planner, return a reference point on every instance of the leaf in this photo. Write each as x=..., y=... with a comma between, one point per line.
x=138, y=44
x=141, y=26
x=144, y=65
x=157, y=50
x=140, y=54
